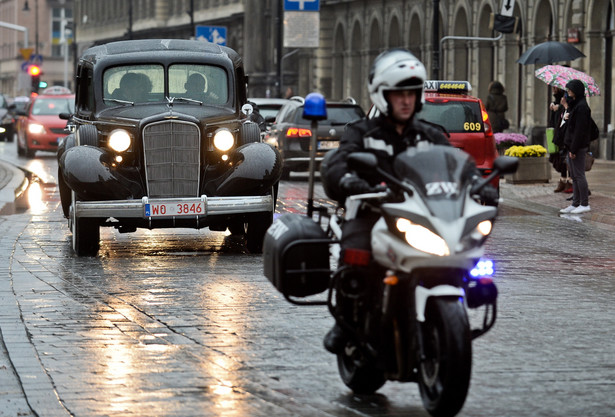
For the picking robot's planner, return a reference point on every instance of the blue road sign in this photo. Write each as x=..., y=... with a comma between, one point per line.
x=302, y=5
x=213, y=34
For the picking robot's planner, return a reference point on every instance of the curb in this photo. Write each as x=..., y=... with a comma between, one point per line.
x=14, y=189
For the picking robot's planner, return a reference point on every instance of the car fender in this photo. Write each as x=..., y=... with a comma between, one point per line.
x=256, y=167
x=88, y=171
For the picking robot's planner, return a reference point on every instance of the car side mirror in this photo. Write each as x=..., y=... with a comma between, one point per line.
x=65, y=116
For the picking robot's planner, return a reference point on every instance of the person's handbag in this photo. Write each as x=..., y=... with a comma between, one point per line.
x=589, y=161
x=551, y=147
x=594, y=132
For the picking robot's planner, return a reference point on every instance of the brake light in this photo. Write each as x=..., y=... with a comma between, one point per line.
x=298, y=132
x=486, y=121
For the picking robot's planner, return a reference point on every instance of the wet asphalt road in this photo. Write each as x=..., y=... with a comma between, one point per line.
x=183, y=323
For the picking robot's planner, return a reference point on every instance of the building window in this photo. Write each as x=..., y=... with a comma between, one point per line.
x=61, y=24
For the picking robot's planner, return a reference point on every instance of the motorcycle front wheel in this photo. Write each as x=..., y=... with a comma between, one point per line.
x=358, y=373
x=444, y=373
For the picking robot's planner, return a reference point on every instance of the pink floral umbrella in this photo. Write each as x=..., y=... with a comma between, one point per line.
x=558, y=76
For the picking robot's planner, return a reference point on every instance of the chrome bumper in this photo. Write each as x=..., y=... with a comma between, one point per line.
x=136, y=208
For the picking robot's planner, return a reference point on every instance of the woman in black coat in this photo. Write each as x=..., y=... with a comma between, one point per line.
x=577, y=141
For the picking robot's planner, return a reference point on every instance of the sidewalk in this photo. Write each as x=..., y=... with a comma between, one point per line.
x=601, y=180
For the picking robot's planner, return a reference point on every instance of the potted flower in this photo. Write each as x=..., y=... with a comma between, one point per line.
x=504, y=141
x=533, y=164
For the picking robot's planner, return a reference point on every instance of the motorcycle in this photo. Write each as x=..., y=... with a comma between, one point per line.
x=405, y=308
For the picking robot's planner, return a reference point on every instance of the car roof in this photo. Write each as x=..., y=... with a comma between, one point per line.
x=160, y=49
x=268, y=100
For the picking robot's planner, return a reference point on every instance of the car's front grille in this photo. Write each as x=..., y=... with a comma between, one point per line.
x=172, y=159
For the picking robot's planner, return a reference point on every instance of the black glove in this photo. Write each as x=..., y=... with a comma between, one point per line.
x=489, y=195
x=350, y=184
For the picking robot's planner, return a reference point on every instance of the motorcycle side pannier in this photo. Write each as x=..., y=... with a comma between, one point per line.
x=296, y=256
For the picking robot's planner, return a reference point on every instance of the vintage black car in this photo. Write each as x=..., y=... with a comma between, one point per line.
x=162, y=139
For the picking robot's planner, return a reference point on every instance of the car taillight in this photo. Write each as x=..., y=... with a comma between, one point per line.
x=298, y=132
x=486, y=121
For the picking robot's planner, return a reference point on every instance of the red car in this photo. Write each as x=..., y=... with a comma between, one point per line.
x=464, y=117
x=39, y=127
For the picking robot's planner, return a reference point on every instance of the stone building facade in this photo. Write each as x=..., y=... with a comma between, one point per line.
x=353, y=32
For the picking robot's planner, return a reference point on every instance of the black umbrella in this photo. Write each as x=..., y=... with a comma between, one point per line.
x=550, y=52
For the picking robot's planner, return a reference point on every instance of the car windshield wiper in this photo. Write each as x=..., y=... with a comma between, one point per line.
x=190, y=100
x=116, y=100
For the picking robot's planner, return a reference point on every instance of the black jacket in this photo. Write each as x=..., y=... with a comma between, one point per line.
x=380, y=137
x=577, y=131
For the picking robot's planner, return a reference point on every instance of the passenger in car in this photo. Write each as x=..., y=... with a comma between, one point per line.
x=134, y=87
x=195, y=89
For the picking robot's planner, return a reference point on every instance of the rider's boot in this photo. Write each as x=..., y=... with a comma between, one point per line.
x=335, y=339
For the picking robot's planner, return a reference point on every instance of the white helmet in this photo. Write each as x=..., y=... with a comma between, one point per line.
x=396, y=69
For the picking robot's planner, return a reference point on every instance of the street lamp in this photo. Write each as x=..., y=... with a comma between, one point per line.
x=26, y=8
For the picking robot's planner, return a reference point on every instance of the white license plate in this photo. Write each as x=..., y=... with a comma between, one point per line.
x=328, y=144
x=168, y=209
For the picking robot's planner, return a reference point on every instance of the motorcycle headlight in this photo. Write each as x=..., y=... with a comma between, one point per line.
x=224, y=140
x=477, y=236
x=421, y=238
x=119, y=140
x=36, y=128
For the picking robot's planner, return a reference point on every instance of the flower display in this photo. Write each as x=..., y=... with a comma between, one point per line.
x=506, y=140
x=532, y=151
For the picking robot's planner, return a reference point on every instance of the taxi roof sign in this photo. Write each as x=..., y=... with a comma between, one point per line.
x=442, y=86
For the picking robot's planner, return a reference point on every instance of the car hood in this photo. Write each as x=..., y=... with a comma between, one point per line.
x=142, y=111
x=48, y=121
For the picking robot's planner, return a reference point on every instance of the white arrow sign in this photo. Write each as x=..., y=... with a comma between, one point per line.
x=507, y=7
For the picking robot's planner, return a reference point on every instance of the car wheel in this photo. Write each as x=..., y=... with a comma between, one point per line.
x=257, y=226
x=20, y=151
x=86, y=233
x=30, y=152
x=237, y=228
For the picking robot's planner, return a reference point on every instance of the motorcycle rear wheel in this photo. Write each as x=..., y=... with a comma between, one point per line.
x=360, y=375
x=444, y=374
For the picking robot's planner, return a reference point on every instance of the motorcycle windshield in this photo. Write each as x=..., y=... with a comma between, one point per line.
x=440, y=174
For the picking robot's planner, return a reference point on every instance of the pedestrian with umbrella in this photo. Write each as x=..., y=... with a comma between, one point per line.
x=577, y=140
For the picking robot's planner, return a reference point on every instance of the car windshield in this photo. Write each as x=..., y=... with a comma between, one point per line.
x=3, y=102
x=335, y=115
x=53, y=106
x=454, y=116
x=146, y=83
x=133, y=84
x=204, y=83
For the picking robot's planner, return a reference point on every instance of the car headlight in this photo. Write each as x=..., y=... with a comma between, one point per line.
x=36, y=128
x=119, y=140
x=421, y=238
x=224, y=140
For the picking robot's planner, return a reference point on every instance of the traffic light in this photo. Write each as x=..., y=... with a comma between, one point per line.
x=35, y=76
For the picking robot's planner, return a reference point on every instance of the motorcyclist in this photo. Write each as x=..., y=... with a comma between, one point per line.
x=395, y=85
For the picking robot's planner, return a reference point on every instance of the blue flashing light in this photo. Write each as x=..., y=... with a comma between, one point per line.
x=315, y=107
x=483, y=268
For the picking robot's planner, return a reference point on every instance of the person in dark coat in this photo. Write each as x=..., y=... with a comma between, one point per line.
x=558, y=159
x=496, y=106
x=576, y=140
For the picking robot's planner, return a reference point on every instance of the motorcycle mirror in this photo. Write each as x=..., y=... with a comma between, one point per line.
x=506, y=164
x=362, y=161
